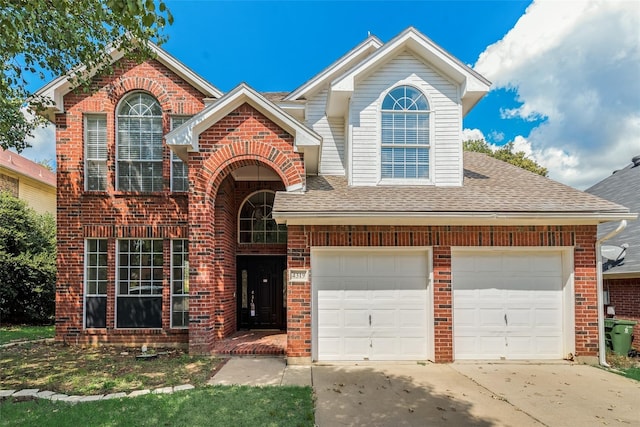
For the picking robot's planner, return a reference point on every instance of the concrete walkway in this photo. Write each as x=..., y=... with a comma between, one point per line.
x=460, y=394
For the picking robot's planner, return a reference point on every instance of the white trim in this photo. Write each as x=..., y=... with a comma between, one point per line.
x=59, y=87
x=473, y=85
x=85, y=139
x=568, y=285
x=188, y=133
x=446, y=218
x=428, y=251
x=171, y=294
x=172, y=153
x=85, y=279
x=370, y=44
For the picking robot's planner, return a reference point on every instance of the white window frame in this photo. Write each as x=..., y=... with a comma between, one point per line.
x=100, y=159
x=241, y=220
x=183, y=271
x=155, y=162
x=428, y=180
x=128, y=295
x=97, y=280
x=175, y=122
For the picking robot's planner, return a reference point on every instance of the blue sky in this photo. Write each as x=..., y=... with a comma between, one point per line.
x=565, y=73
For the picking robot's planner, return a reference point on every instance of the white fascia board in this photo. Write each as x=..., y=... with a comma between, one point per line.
x=444, y=218
x=361, y=51
x=185, y=72
x=188, y=133
x=59, y=87
x=474, y=85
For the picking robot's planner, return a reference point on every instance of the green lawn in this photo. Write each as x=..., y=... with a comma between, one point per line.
x=631, y=373
x=208, y=406
x=25, y=333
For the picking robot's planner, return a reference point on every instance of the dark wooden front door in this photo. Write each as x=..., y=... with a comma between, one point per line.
x=261, y=296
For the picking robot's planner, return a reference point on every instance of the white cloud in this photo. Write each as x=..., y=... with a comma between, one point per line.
x=43, y=145
x=472, y=134
x=576, y=64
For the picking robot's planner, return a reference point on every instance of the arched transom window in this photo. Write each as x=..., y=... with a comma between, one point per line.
x=405, y=135
x=256, y=225
x=139, y=143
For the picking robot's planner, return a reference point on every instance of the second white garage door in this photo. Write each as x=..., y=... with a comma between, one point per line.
x=507, y=305
x=370, y=305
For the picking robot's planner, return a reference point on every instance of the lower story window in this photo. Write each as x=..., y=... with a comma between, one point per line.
x=139, y=284
x=179, y=284
x=95, y=283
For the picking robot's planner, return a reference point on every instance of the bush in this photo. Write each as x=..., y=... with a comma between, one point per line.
x=27, y=263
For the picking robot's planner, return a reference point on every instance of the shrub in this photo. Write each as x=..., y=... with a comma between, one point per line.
x=27, y=263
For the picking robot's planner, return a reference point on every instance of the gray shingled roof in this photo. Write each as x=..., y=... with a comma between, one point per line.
x=622, y=187
x=490, y=186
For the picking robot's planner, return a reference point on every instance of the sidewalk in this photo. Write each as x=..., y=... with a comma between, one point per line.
x=261, y=371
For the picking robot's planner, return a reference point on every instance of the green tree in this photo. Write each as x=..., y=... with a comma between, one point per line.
x=507, y=154
x=27, y=263
x=50, y=37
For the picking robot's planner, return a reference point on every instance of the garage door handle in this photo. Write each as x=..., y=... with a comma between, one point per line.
x=369, y=320
x=506, y=322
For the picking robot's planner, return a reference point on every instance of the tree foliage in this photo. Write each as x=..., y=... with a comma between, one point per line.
x=507, y=154
x=52, y=37
x=27, y=263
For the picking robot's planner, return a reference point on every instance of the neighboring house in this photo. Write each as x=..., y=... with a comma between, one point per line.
x=28, y=181
x=622, y=276
x=344, y=212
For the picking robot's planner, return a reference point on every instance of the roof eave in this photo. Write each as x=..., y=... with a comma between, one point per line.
x=446, y=218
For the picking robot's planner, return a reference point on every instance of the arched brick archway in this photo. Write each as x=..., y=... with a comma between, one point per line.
x=243, y=138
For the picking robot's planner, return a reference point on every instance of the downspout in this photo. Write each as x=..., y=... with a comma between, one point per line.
x=602, y=353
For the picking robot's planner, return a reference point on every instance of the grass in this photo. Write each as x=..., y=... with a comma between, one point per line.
x=207, y=406
x=10, y=334
x=99, y=370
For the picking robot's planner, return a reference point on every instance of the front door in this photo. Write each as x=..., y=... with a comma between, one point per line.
x=261, y=292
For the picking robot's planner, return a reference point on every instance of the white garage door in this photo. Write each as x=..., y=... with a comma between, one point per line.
x=370, y=305
x=507, y=305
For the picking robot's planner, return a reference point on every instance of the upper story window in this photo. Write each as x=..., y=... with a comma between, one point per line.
x=405, y=141
x=179, y=170
x=139, y=146
x=95, y=146
x=256, y=225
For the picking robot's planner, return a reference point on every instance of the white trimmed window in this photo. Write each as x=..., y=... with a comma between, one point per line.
x=139, y=147
x=256, y=224
x=179, y=283
x=405, y=141
x=179, y=170
x=95, y=146
x=95, y=283
x=139, y=283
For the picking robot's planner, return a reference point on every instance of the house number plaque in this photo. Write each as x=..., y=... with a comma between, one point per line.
x=298, y=275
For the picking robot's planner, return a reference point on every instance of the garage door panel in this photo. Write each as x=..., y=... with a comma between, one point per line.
x=382, y=299
x=514, y=311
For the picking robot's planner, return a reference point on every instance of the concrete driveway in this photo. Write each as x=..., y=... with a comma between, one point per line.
x=473, y=394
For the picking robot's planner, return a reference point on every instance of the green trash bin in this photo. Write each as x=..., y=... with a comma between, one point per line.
x=608, y=328
x=621, y=334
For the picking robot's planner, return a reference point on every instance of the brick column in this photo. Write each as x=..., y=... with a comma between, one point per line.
x=442, y=305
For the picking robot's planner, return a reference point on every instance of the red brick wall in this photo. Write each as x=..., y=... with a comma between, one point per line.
x=624, y=295
x=302, y=238
x=112, y=214
x=245, y=137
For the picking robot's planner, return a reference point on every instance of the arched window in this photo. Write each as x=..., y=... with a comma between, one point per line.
x=256, y=225
x=139, y=143
x=405, y=135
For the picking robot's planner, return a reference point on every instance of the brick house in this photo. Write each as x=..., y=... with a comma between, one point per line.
x=344, y=212
x=621, y=270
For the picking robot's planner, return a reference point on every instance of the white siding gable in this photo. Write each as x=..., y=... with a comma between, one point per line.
x=332, y=132
x=446, y=120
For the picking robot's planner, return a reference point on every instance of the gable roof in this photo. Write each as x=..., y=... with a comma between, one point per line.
x=473, y=85
x=344, y=63
x=185, y=137
x=493, y=193
x=623, y=187
x=22, y=166
x=59, y=87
